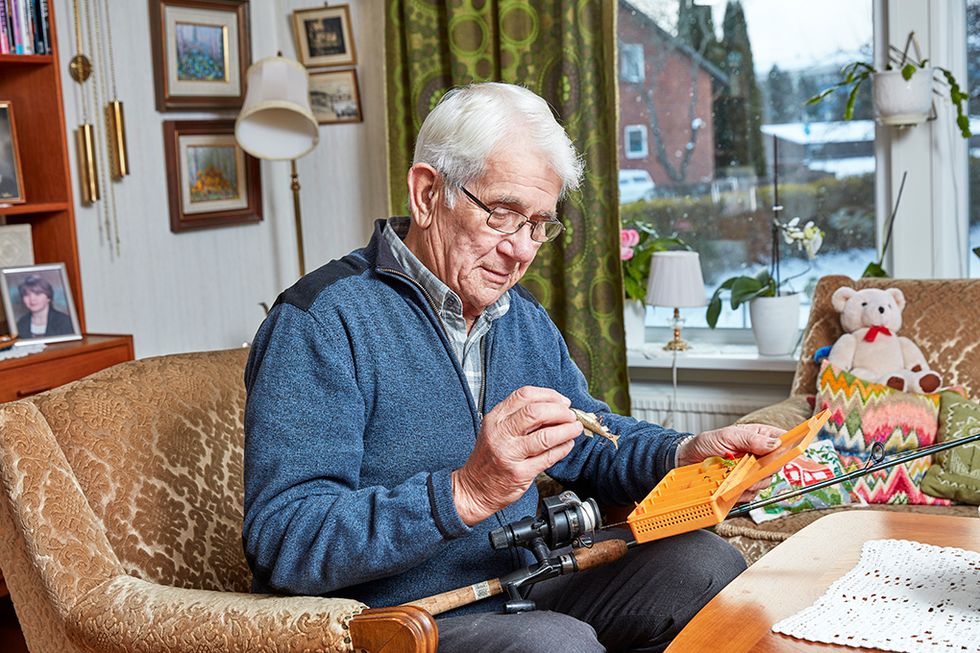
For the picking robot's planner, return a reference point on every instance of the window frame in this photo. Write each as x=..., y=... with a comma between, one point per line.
x=936, y=243
x=632, y=60
x=636, y=155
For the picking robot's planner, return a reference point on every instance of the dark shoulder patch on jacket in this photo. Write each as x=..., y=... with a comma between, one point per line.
x=304, y=292
x=524, y=293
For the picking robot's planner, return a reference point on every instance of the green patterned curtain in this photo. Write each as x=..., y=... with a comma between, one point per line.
x=563, y=50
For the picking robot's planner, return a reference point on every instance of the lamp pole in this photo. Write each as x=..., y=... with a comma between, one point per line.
x=298, y=216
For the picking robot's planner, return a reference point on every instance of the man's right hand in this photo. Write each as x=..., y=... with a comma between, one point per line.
x=525, y=434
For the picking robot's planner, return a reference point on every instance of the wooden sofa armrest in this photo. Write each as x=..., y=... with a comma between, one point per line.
x=395, y=629
x=127, y=614
x=785, y=415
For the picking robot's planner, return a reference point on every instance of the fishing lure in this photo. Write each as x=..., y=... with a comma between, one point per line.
x=594, y=426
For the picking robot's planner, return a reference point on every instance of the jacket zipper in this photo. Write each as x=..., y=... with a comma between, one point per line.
x=481, y=409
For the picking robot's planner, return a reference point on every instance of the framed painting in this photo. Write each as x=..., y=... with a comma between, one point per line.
x=37, y=301
x=334, y=97
x=323, y=36
x=212, y=182
x=11, y=178
x=201, y=53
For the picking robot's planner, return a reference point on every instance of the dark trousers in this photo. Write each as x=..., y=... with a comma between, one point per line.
x=638, y=603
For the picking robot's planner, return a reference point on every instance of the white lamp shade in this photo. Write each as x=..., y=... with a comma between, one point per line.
x=276, y=121
x=675, y=280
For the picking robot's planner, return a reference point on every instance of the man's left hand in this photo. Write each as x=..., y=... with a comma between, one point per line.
x=758, y=439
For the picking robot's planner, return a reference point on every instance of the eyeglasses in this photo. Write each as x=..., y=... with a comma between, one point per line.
x=510, y=222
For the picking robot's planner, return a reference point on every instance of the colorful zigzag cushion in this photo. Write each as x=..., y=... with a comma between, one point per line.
x=863, y=413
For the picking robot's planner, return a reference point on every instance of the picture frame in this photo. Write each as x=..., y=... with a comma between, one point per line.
x=201, y=52
x=211, y=180
x=324, y=37
x=41, y=291
x=11, y=173
x=335, y=97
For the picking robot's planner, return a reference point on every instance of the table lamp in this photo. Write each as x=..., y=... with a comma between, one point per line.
x=675, y=281
x=276, y=122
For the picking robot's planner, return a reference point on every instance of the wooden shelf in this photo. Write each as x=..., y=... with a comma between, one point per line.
x=27, y=59
x=60, y=363
x=36, y=207
x=32, y=84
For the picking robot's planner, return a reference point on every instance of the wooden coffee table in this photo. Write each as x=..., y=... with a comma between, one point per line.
x=797, y=572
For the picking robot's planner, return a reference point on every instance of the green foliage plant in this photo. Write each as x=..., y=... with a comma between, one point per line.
x=638, y=241
x=854, y=74
x=766, y=283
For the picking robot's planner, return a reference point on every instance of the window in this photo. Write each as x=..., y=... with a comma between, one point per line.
x=973, y=77
x=631, y=62
x=636, y=142
x=724, y=117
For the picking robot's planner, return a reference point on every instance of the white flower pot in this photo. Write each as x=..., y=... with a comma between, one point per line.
x=899, y=101
x=634, y=318
x=775, y=323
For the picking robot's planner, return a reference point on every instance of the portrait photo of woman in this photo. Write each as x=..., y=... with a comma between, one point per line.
x=38, y=298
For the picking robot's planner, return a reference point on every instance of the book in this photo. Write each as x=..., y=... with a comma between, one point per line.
x=31, y=32
x=26, y=25
x=45, y=26
x=15, y=29
x=4, y=39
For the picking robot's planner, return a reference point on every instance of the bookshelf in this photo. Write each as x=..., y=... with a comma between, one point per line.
x=32, y=83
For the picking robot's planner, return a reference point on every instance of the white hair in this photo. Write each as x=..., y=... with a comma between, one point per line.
x=461, y=132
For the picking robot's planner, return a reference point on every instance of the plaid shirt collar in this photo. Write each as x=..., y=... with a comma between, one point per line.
x=447, y=302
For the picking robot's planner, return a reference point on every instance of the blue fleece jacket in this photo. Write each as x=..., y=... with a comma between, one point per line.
x=357, y=413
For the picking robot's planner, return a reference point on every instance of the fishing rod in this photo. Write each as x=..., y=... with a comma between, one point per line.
x=566, y=520
x=875, y=463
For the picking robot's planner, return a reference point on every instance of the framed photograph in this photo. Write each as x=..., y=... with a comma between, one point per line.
x=37, y=300
x=323, y=36
x=334, y=97
x=201, y=53
x=11, y=178
x=212, y=182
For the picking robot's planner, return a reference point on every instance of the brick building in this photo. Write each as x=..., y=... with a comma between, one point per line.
x=665, y=101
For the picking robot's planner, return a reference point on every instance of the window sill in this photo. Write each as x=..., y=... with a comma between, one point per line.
x=708, y=356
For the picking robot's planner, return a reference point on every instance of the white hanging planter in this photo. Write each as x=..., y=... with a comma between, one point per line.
x=775, y=323
x=899, y=101
x=634, y=322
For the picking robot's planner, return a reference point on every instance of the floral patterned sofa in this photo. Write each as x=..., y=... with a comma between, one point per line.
x=121, y=515
x=942, y=316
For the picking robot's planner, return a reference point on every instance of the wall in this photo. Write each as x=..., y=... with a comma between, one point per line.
x=201, y=290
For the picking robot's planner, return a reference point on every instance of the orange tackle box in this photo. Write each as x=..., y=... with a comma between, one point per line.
x=700, y=495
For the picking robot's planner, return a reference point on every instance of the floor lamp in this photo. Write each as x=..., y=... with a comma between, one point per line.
x=277, y=124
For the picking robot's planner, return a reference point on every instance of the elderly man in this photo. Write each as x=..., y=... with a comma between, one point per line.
x=402, y=400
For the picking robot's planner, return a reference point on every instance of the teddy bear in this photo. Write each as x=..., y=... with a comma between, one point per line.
x=871, y=347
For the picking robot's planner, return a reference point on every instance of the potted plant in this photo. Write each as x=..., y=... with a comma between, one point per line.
x=902, y=95
x=774, y=311
x=638, y=241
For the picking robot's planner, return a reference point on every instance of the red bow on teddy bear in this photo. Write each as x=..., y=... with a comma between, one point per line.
x=874, y=331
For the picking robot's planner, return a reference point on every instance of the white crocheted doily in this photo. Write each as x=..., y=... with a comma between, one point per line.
x=901, y=596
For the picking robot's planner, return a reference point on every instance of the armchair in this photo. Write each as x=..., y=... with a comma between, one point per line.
x=941, y=316
x=121, y=515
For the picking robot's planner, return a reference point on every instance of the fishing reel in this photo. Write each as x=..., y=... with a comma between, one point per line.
x=564, y=520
